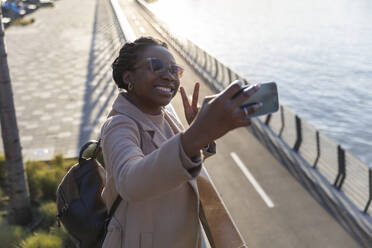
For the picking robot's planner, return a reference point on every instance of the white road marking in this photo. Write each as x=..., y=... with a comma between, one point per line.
x=252, y=180
x=142, y=30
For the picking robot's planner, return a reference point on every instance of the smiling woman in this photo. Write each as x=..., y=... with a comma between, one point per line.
x=151, y=162
x=150, y=77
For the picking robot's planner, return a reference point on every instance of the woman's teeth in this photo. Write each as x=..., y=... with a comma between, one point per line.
x=164, y=89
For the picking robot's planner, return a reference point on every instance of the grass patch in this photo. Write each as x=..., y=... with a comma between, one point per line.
x=10, y=236
x=42, y=239
x=2, y=171
x=44, y=177
x=48, y=212
x=43, y=180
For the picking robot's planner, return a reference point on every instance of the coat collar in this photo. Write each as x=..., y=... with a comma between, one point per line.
x=123, y=106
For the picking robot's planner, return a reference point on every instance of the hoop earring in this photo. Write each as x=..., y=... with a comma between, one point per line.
x=130, y=86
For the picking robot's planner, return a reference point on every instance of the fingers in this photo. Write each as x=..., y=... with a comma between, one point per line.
x=241, y=114
x=245, y=94
x=232, y=89
x=208, y=98
x=246, y=111
x=195, y=96
x=185, y=99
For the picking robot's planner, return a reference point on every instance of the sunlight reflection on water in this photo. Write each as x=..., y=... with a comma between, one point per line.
x=317, y=51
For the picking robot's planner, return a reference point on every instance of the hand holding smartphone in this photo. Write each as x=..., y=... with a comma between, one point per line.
x=267, y=94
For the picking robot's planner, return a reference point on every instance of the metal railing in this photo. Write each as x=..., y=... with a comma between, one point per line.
x=341, y=169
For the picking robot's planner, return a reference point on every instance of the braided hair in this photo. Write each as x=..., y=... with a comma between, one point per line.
x=128, y=57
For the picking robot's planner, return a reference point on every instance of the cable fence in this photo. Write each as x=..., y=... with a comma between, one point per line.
x=340, y=168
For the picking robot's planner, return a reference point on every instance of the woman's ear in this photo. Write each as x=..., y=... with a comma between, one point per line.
x=126, y=77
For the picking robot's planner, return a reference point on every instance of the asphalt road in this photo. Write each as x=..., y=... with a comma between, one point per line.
x=273, y=205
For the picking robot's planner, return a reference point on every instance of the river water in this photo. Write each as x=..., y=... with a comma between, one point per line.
x=318, y=51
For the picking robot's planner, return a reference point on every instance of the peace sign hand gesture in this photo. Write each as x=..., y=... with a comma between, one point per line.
x=190, y=110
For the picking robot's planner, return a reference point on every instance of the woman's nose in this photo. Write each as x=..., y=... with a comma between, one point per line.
x=167, y=75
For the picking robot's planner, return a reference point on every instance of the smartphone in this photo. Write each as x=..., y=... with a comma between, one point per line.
x=267, y=94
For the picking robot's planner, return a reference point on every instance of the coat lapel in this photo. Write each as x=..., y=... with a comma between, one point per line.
x=123, y=106
x=176, y=126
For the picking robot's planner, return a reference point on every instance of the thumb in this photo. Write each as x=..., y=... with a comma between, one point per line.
x=209, y=98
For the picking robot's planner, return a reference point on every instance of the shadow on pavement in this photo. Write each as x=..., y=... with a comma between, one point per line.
x=100, y=88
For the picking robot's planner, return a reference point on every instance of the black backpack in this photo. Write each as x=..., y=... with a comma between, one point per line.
x=80, y=206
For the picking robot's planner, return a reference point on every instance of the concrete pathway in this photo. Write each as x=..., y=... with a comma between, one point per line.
x=61, y=76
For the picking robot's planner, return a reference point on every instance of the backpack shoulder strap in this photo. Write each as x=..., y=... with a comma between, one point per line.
x=97, y=149
x=114, y=206
x=118, y=199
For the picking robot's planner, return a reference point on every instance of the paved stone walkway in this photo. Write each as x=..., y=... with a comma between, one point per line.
x=60, y=68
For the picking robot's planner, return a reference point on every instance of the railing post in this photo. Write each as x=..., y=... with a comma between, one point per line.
x=210, y=64
x=230, y=75
x=216, y=68
x=193, y=52
x=297, y=145
x=268, y=118
x=188, y=49
x=234, y=76
x=341, y=168
x=224, y=76
x=370, y=191
x=197, y=55
x=282, y=119
x=317, y=149
x=205, y=61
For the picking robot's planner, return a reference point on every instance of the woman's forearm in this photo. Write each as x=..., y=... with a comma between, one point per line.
x=193, y=141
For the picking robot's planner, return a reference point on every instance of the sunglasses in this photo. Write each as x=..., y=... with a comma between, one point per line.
x=157, y=66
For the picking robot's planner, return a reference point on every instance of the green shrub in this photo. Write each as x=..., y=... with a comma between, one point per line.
x=49, y=180
x=2, y=194
x=3, y=199
x=10, y=236
x=58, y=160
x=42, y=239
x=2, y=182
x=33, y=170
x=48, y=212
x=43, y=178
x=23, y=21
x=62, y=234
x=2, y=171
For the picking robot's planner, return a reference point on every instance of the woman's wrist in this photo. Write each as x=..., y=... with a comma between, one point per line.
x=192, y=142
x=189, y=146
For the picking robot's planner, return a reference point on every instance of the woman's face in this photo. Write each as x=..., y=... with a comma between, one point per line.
x=153, y=89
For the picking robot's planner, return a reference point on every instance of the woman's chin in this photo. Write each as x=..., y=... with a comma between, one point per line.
x=165, y=100
x=165, y=103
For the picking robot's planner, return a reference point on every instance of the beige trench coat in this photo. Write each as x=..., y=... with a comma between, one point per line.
x=160, y=200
